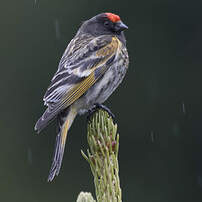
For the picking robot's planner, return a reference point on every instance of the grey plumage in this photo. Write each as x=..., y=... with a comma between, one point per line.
x=91, y=68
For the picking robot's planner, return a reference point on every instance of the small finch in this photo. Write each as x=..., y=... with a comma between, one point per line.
x=91, y=68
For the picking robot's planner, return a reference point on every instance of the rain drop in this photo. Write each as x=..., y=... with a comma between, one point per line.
x=183, y=108
x=199, y=180
x=152, y=136
x=57, y=29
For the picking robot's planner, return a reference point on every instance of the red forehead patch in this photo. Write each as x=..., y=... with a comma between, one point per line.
x=113, y=17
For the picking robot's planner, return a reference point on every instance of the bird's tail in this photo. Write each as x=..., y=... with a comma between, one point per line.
x=65, y=120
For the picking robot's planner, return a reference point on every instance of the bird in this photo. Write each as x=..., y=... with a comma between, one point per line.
x=91, y=68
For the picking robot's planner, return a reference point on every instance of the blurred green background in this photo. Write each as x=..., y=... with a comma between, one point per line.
x=157, y=107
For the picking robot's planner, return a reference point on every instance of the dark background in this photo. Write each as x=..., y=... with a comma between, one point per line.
x=158, y=106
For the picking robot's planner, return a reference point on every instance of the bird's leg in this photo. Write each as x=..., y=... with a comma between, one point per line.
x=91, y=112
x=96, y=107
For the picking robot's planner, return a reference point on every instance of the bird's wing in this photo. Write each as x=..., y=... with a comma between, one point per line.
x=78, y=70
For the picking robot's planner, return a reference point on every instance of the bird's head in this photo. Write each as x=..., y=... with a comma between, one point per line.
x=104, y=23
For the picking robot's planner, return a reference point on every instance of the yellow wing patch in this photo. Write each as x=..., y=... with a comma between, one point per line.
x=82, y=87
x=109, y=48
x=106, y=52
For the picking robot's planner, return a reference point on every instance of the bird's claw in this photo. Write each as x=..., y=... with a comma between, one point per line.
x=96, y=107
x=100, y=106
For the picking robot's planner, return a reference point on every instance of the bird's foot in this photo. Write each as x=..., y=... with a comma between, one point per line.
x=101, y=106
x=98, y=106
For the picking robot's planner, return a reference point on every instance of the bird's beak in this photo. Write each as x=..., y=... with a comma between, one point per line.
x=120, y=26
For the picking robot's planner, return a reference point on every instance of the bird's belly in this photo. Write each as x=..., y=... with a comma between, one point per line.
x=103, y=88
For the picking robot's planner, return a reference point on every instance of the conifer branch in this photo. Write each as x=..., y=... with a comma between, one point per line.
x=102, y=156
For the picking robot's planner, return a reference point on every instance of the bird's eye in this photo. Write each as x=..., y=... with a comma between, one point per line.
x=106, y=23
